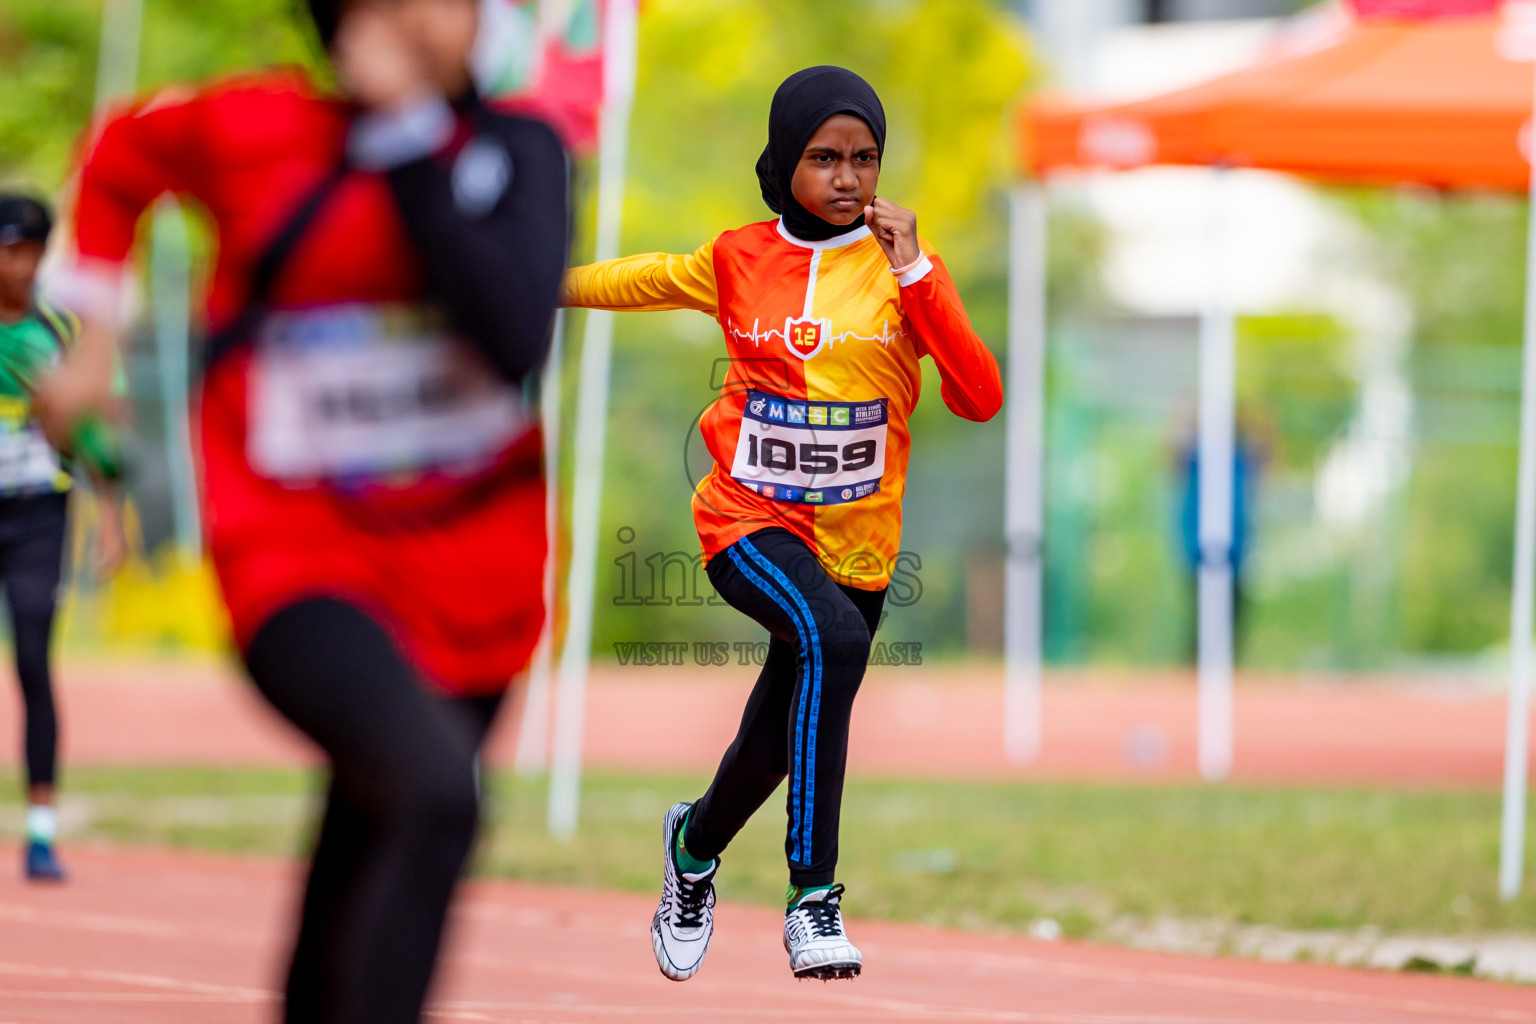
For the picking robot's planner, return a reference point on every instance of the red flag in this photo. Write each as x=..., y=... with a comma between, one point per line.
x=552, y=71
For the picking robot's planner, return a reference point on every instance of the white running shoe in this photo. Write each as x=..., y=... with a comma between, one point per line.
x=814, y=938
x=685, y=918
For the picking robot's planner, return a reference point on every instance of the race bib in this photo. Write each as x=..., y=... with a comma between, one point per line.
x=27, y=463
x=365, y=392
x=811, y=453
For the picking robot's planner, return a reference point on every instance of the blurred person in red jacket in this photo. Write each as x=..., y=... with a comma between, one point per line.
x=387, y=271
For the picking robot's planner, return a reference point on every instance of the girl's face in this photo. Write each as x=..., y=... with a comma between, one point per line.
x=18, y=271
x=838, y=171
x=440, y=33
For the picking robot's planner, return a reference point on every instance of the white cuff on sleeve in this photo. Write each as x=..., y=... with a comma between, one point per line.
x=915, y=272
x=380, y=141
x=93, y=289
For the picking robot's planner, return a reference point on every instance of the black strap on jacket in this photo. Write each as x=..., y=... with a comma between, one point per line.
x=269, y=265
x=490, y=224
x=492, y=262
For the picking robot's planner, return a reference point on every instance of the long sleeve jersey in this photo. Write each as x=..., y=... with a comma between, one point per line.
x=810, y=432
x=367, y=441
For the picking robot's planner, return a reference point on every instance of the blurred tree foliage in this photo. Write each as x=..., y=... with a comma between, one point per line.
x=1460, y=260
x=49, y=47
x=948, y=72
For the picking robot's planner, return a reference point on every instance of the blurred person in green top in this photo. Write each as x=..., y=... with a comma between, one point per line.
x=34, y=491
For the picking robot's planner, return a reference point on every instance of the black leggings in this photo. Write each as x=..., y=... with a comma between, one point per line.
x=400, y=816
x=796, y=720
x=31, y=564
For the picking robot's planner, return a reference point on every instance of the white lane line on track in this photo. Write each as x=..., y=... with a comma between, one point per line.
x=130, y=978
x=554, y=1014
x=847, y=1001
x=85, y=921
x=604, y=922
x=610, y=925
x=850, y=1005
x=120, y=924
x=1023, y=964
x=54, y=995
x=1200, y=982
x=492, y=913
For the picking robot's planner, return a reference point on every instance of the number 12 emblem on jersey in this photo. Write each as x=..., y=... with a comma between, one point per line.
x=804, y=336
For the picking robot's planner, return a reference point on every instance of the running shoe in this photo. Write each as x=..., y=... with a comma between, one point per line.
x=43, y=864
x=685, y=918
x=814, y=938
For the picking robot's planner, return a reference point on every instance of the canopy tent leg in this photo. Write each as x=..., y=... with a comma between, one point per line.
x=1217, y=444
x=619, y=39
x=1024, y=514
x=533, y=730
x=1517, y=721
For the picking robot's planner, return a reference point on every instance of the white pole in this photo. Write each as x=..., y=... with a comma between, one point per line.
x=1517, y=722
x=172, y=294
x=619, y=40
x=117, y=58
x=1024, y=514
x=533, y=731
x=1218, y=365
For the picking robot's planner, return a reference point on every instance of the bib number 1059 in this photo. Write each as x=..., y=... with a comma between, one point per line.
x=804, y=451
x=773, y=453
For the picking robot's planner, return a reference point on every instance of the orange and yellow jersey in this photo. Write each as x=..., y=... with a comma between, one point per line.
x=810, y=430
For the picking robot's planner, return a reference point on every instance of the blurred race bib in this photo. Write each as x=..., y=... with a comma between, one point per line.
x=364, y=393
x=28, y=465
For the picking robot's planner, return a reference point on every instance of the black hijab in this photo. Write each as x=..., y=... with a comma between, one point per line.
x=800, y=107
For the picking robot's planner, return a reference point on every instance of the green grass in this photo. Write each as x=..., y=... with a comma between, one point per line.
x=973, y=855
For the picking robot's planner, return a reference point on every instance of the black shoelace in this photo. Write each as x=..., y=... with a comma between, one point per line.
x=823, y=914
x=692, y=897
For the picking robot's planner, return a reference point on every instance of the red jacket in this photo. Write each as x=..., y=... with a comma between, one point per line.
x=445, y=547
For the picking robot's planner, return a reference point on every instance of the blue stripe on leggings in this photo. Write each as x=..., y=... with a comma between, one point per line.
x=807, y=724
x=797, y=840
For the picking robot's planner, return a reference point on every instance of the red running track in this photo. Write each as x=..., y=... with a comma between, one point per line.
x=941, y=722
x=146, y=937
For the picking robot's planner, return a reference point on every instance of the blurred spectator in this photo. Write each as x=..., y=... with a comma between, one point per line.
x=1248, y=459
x=34, y=496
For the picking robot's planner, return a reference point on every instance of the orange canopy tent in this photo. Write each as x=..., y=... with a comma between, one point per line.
x=1433, y=92
x=1375, y=99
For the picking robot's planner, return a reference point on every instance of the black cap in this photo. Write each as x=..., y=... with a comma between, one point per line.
x=23, y=219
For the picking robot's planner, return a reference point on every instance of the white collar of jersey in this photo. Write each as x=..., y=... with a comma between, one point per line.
x=835, y=242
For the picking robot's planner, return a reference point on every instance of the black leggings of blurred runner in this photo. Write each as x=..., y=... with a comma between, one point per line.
x=401, y=811
x=796, y=720
x=31, y=565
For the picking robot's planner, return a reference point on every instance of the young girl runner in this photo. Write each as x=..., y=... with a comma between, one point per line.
x=388, y=265
x=35, y=483
x=826, y=312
